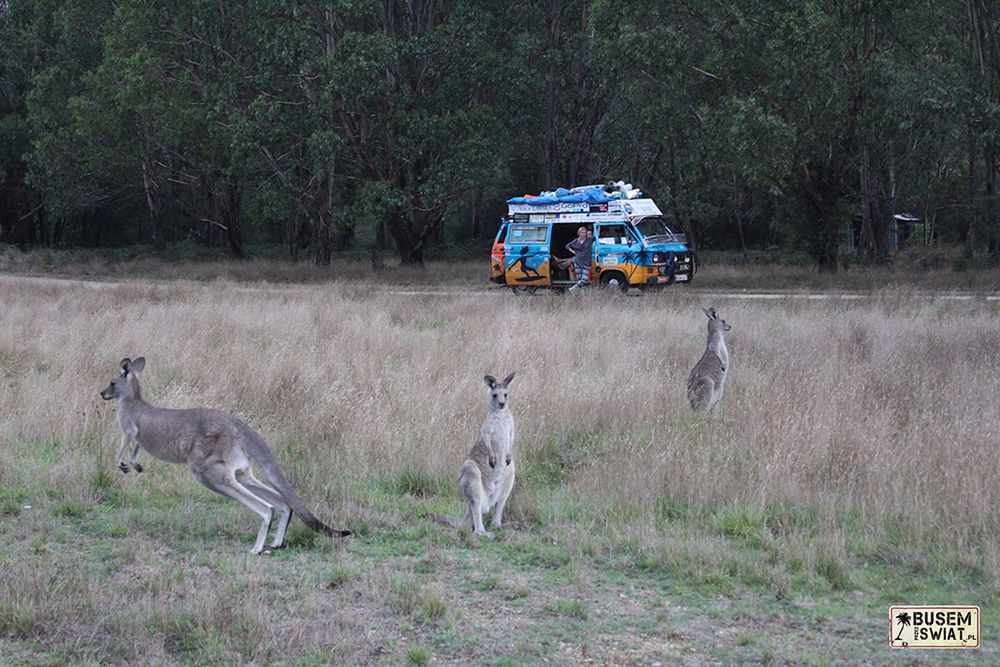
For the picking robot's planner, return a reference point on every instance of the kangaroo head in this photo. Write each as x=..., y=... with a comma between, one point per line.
x=715, y=323
x=498, y=391
x=126, y=383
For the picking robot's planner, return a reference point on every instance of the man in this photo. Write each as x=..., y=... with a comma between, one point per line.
x=582, y=249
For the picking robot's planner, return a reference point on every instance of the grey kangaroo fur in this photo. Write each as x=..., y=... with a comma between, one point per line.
x=708, y=377
x=217, y=447
x=487, y=476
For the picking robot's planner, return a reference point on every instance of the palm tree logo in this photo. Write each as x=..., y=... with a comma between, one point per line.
x=904, y=620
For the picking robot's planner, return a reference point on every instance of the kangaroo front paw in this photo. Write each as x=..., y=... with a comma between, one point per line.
x=508, y=459
x=493, y=462
x=137, y=467
x=123, y=466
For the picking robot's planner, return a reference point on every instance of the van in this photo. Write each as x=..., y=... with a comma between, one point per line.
x=633, y=245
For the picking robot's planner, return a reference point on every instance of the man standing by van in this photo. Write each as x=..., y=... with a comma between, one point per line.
x=582, y=248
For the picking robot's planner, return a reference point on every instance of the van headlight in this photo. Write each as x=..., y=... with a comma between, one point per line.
x=659, y=258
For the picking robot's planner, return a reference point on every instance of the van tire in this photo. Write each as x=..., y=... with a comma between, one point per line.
x=616, y=280
x=523, y=289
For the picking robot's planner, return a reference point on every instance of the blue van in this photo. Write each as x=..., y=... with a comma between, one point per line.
x=633, y=244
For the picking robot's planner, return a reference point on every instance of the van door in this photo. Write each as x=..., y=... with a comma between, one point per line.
x=496, y=255
x=614, y=252
x=526, y=255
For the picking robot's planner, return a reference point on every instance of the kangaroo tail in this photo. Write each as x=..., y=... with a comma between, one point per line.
x=453, y=521
x=700, y=393
x=262, y=455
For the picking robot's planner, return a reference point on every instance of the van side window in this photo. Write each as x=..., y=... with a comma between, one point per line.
x=528, y=233
x=502, y=235
x=612, y=234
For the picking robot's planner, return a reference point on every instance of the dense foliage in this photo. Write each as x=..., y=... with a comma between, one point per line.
x=394, y=126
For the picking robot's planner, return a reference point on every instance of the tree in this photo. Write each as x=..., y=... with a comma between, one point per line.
x=407, y=80
x=904, y=620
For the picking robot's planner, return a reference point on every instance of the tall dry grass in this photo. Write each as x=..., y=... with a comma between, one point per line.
x=871, y=416
x=137, y=262
x=716, y=271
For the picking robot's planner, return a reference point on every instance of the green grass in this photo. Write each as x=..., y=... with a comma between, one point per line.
x=156, y=567
x=148, y=583
x=569, y=608
x=418, y=655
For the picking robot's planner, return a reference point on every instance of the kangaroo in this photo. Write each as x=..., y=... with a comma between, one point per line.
x=218, y=449
x=708, y=377
x=487, y=476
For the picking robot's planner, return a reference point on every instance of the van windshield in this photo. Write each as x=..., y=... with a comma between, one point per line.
x=654, y=229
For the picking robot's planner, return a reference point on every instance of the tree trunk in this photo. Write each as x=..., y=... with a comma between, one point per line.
x=680, y=211
x=890, y=209
x=990, y=165
x=970, y=234
x=152, y=199
x=234, y=222
x=866, y=242
x=324, y=213
x=410, y=230
x=477, y=224
x=377, y=255
x=822, y=194
x=738, y=218
x=41, y=220
x=409, y=244
x=156, y=228
x=293, y=227
x=553, y=21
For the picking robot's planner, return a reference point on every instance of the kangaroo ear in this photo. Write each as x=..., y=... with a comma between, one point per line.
x=125, y=364
x=506, y=380
x=490, y=381
x=709, y=313
x=138, y=365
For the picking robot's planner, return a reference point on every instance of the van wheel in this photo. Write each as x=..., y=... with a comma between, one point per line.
x=615, y=280
x=523, y=289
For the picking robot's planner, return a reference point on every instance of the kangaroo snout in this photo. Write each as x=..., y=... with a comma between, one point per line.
x=108, y=393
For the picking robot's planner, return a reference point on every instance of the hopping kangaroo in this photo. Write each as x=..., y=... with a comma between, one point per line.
x=218, y=449
x=487, y=476
x=708, y=377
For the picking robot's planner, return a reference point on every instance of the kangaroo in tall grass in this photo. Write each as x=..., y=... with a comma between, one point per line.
x=708, y=377
x=487, y=476
x=217, y=447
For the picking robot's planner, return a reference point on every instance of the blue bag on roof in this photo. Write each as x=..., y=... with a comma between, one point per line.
x=591, y=195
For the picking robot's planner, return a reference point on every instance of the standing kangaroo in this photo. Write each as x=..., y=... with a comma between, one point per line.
x=487, y=476
x=708, y=377
x=218, y=449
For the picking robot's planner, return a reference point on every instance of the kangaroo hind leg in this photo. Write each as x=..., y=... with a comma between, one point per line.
x=271, y=495
x=471, y=482
x=222, y=479
x=477, y=509
x=496, y=514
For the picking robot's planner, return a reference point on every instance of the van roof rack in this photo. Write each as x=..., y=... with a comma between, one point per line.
x=616, y=209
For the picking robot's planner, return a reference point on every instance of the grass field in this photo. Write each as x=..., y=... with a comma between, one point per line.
x=852, y=466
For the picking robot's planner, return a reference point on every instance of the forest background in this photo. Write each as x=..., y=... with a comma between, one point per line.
x=830, y=130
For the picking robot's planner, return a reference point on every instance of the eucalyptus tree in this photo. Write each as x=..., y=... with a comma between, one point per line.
x=414, y=85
